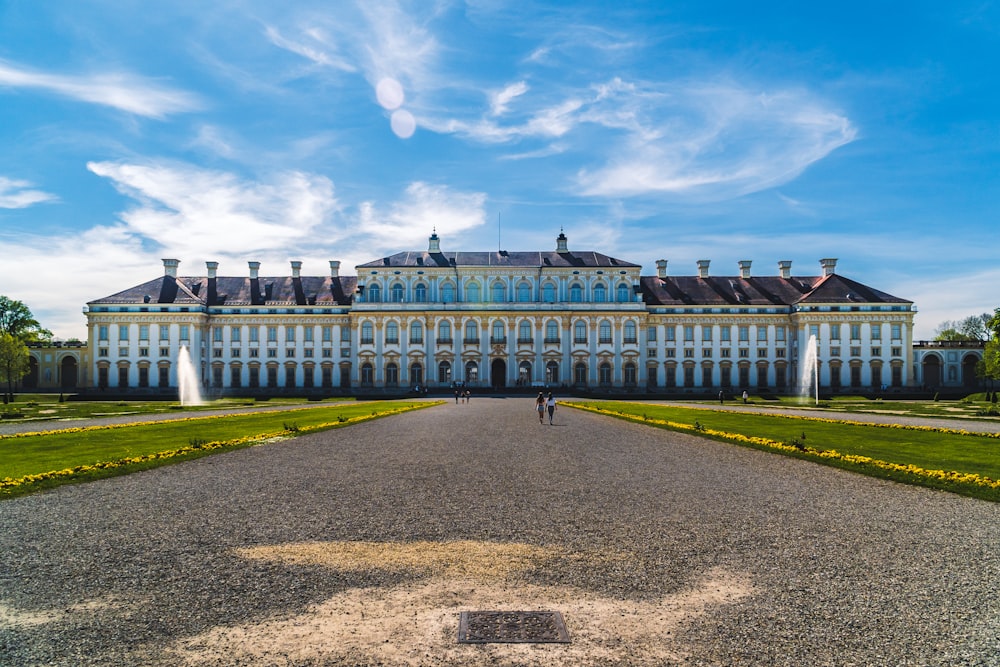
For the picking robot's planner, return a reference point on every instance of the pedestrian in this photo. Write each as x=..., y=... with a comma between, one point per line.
x=468, y=395
x=550, y=403
x=745, y=396
x=540, y=407
x=722, y=397
x=456, y=397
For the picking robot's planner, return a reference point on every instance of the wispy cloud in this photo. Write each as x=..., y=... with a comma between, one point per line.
x=19, y=194
x=119, y=90
x=423, y=208
x=502, y=98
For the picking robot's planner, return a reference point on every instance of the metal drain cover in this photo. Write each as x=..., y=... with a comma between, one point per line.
x=520, y=627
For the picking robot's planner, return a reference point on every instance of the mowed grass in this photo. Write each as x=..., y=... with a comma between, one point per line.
x=41, y=453
x=925, y=449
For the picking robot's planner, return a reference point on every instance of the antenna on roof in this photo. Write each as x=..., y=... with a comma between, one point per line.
x=499, y=244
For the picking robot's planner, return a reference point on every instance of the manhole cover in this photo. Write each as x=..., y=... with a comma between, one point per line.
x=525, y=627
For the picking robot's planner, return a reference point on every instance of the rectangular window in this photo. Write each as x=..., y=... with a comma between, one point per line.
x=272, y=334
x=761, y=334
x=254, y=334
x=855, y=351
x=688, y=353
x=345, y=335
x=327, y=353
x=289, y=352
x=651, y=353
x=896, y=332
x=234, y=334
x=123, y=352
x=307, y=353
x=122, y=332
x=216, y=334
x=235, y=352
x=217, y=353
x=185, y=332
x=671, y=353
x=651, y=334
x=235, y=376
x=164, y=373
x=814, y=331
x=164, y=351
x=835, y=351
x=726, y=334
x=671, y=379
x=254, y=376
x=164, y=332
x=289, y=334
x=726, y=373
x=706, y=352
x=706, y=334
x=688, y=333
x=744, y=353
x=761, y=352
x=272, y=353
x=143, y=376
x=143, y=332
x=143, y=351
x=856, y=332
x=254, y=352
x=780, y=353
x=876, y=331
x=671, y=334
x=744, y=334
x=308, y=333
x=689, y=376
x=102, y=332
x=779, y=334
x=834, y=332
x=725, y=352
x=876, y=352
x=217, y=376
x=327, y=334
x=897, y=351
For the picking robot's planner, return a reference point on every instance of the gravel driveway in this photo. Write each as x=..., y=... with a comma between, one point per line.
x=360, y=546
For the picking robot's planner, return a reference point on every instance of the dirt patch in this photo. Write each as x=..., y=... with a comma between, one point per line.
x=15, y=618
x=416, y=623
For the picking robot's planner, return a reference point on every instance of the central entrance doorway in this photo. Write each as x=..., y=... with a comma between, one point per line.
x=498, y=374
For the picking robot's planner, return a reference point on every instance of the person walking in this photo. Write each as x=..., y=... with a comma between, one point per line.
x=722, y=397
x=745, y=396
x=550, y=404
x=540, y=407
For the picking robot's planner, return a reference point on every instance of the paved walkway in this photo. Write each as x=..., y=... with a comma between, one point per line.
x=360, y=546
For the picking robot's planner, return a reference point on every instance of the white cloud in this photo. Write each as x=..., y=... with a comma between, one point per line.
x=502, y=98
x=119, y=90
x=314, y=47
x=192, y=211
x=945, y=298
x=424, y=208
x=18, y=194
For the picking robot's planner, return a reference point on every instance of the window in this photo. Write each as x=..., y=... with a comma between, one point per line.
x=744, y=353
x=272, y=353
x=835, y=351
x=855, y=351
x=856, y=334
x=123, y=352
x=600, y=293
x=416, y=374
x=391, y=375
x=327, y=334
x=876, y=332
x=499, y=334
x=524, y=331
x=623, y=293
x=396, y=293
x=373, y=293
x=780, y=353
x=576, y=293
x=272, y=376
x=706, y=334
x=549, y=293
x=761, y=352
x=472, y=294
x=420, y=293
x=185, y=331
x=580, y=374
x=123, y=332
x=523, y=292
x=671, y=376
x=779, y=334
x=651, y=376
x=706, y=352
x=144, y=334
x=834, y=332
x=876, y=352
x=144, y=376
x=552, y=372
x=367, y=374
x=671, y=334
x=102, y=332
x=725, y=334
x=307, y=333
x=726, y=376
x=896, y=332
x=604, y=332
x=551, y=331
x=308, y=376
x=444, y=332
x=289, y=334
x=630, y=375
x=448, y=293
x=725, y=353
x=234, y=334
x=471, y=332
x=444, y=372
x=688, y=333
x=689, y=376
x=345, y=335
x=391, y=333
x=499, y=292
x=706, y=376
x=164, y=377
x=651, y=334
x=671, y=353
x=367, y=333
x=216, y=334
x=629, y=332
x=761, y=334
x=416, y=333
x=326, y=377
x=164, y=332
x=254, y=376
x=254, y=334
x=164, y=351
x=272, y=334
x=744, y=334
x=688, y=353
x=254, y=352
x=604, y=374
x=580, y=332
x=216, y=353
x=472, y=371
x=897, y=351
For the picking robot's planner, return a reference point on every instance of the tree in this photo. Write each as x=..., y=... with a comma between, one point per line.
x=16, y=320
x=989, y=367
x=972, y=328
x=14, y=363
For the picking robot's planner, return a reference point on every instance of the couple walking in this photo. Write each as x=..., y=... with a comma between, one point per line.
x=543, y=403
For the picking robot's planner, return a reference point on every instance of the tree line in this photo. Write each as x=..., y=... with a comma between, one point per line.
x=18, y=327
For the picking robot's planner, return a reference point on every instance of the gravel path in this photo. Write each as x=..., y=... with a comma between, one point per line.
x=359, y=546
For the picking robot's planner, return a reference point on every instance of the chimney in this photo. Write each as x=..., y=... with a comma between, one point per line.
x=435, y=243
x=170, y=267
x=212, y=267
x=213, y=293
x=785, y=268
x=744, y=268
x=661, y=268
x=334, y=268
x=703, y=267
x=254, y=270
x=296, y=269
x=561, y=242
x=829, y=266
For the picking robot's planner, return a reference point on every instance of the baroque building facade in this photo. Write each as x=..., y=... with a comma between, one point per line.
x=433, y=318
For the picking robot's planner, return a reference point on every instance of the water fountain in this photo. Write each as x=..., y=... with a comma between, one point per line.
x=809, y=369
x=187, y=379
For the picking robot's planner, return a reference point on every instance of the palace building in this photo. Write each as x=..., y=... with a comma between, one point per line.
x=431, y=318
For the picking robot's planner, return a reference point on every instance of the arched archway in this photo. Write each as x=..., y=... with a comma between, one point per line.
x=31, y=379
x=498, y=374
x=932, y=371
x=68, y=373
x=969, y=379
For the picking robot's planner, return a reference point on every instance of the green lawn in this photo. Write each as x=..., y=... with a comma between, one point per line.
x=925, y=449
x=43, y=453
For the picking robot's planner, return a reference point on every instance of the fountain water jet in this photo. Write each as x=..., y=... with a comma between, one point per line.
x=187, y=379
x=809, y=369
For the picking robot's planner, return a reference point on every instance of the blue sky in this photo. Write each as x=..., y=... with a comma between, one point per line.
x=233, y=131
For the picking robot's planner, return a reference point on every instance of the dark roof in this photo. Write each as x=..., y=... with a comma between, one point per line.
x=307, y=290
x=503, y=258
x=758, y=291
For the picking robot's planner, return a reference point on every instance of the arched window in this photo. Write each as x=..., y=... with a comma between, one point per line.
x=391, y=375
x=373, y=293
x=580, y=374
x=391, y=332
x=524, y=331
x=604, y=332
x=472, y=294
x=524, y=291
x=471, y=331
x=549, y=293
x=623, y=293
x=604, y=374
x=576, y=292
x=444, y=372
x=552, y=372
x=444, y=332
x=416, y=374
x=629, y=332
x=367, y=332
x=524, y=373
x=499, y=292
x=397, y=293
x=471, y=371
x=600, y=293
x=367, y=375
x=420, y=293
x=416, y=332
x=552, y=331
x=580, y=332
x=448, y=293
x=630, y=374
x=499, y=334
